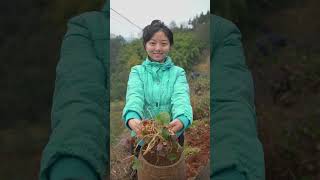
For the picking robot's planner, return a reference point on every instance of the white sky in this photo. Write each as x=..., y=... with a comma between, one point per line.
x=142, y=12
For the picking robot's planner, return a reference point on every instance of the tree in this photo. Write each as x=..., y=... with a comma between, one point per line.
x=115, y=45
x=173, y=25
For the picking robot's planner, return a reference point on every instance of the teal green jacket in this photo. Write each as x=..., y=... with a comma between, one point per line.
x=155, y=87
x=78, y=147
x=236, y=152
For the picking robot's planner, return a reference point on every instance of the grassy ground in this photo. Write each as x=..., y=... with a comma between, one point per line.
x=116, y=124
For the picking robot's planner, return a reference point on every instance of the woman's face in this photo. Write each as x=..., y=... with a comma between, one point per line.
x=158, y=46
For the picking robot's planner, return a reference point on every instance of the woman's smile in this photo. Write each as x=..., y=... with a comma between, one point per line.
x=157, y=54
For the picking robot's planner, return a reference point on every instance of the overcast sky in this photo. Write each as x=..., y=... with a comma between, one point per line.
x=142, y=12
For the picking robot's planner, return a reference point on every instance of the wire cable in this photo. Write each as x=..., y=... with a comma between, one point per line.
x=126, y=19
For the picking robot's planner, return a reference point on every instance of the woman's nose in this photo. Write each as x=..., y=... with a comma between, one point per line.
x=158, y=46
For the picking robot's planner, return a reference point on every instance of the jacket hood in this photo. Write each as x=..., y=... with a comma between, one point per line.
x=164, y=66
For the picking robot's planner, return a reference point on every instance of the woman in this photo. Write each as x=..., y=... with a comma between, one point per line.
x=157, y=85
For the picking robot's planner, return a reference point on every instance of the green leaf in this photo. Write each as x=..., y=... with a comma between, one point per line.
x=136, y=163
x=172, y=156
x=165, y=134
x=163, y=118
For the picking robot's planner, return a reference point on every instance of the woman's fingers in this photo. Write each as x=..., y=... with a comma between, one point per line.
x=135, y=125
x=175, y=129
x=175, y=125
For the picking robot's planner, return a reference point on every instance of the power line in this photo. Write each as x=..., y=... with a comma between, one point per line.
x=118, y=21
x=115, y=19
x=126, y=19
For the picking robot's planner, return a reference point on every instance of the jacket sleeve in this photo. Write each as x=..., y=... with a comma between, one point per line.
x=71, y=168
x=134, y=97
x=180, y=100
x=80, y=107
x=235, y=146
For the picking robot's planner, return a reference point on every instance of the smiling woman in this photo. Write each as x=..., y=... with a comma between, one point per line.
x=157, y=86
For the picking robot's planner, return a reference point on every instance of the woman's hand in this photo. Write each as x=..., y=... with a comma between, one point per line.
x=135, y=125
x=175, y=126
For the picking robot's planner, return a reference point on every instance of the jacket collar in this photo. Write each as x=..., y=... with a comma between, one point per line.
x=165, y=65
